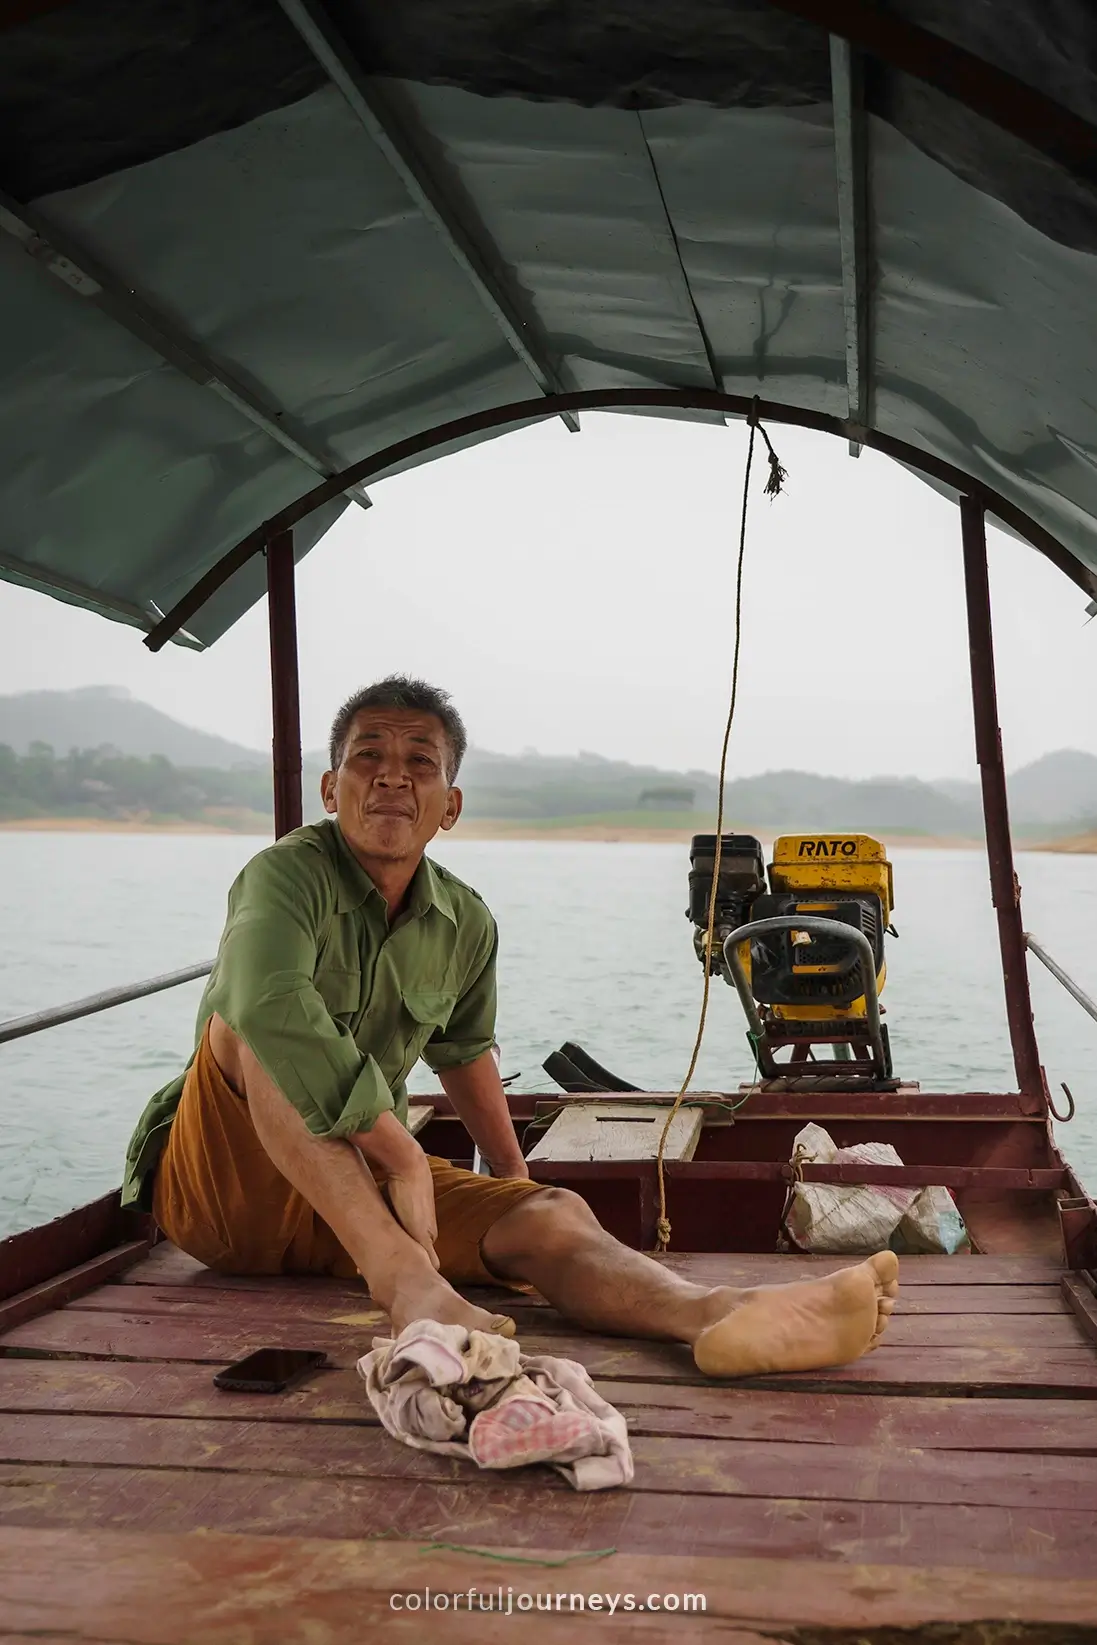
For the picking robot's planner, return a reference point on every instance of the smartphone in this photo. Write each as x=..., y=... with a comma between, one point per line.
x=269, y=1370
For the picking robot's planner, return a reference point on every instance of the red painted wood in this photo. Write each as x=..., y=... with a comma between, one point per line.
x=285, y=691
x=532, y=1313
x=697, y=1466
x=167, y=1264
x=138, y=1585
x=183, y=1390
x=693, y=1174
x=521, y=1514
x=973, y=1142
x=347, y=1333
x=714, y=1268
x=1005, y=888
x=1081, y=1298
x=84, y=1332
x=39, y=1254
x=932, y=1110
x=74, y=1282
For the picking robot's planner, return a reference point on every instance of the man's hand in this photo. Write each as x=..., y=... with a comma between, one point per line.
x=410, y=1185
x=510, y=1167
x=476, y=1092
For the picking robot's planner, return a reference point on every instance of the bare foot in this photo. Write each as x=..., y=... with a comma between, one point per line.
x=429, y=1296
x=803, y=1326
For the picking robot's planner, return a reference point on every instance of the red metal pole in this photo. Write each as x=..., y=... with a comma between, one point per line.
x=284, y=690
x=1005, y=888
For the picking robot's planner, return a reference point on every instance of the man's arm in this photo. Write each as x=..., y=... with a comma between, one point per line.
x=263, y=988
x=476, y=1092
x=462, y=1055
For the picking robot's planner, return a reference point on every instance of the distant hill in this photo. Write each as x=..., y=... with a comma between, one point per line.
x=1058, y=787
x=106, y=716
x=1057, y=793
x=527, y=786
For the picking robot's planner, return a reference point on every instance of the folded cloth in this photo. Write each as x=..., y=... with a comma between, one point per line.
x=471, y=1394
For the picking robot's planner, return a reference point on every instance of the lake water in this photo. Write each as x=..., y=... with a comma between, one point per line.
x=594, y=947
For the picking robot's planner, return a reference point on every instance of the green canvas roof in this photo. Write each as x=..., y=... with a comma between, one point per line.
x=246, y=244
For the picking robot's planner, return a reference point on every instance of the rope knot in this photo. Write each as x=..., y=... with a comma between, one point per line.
x=662, y=1234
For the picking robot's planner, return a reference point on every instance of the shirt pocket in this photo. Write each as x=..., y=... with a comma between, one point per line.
x=425, y=1012
x=341, y=992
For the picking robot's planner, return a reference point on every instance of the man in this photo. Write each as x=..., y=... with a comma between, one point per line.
x=346, y=956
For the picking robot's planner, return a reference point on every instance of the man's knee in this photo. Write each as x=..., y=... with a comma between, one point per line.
x=544, y=1223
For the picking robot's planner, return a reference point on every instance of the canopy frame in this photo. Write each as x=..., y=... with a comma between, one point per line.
x=85, y=277
x=460, y=429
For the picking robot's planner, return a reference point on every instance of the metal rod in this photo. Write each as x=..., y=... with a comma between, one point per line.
x=17, y=1028
x=1060, y=975
x=1004, y=886
x=285, y=694
x=851, y=168
x=819, y=928
x=403, y=452
x=84, y=277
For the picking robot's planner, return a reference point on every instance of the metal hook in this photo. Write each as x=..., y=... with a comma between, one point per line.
x=1063, y=1119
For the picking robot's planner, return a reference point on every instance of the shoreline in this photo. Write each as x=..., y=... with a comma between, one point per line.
x=487, y=829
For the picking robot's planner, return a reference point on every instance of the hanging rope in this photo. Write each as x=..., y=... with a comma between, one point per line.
x=774, y=483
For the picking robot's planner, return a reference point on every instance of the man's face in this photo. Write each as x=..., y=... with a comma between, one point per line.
x=391, y=793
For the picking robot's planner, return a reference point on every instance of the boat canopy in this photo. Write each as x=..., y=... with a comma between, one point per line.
x=247, y=243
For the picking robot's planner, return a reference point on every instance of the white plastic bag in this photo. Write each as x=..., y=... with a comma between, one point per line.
x=932, y=1227
x=840, y=1220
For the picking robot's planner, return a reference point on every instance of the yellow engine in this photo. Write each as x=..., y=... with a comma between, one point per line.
x=808, y=981
x=842, y=877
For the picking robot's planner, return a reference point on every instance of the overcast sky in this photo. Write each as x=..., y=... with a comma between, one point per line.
x=576, y=592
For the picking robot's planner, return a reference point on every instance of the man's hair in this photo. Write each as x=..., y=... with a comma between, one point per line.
x=401, y=691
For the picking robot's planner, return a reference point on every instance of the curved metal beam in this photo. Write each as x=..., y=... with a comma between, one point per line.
x=617, y=399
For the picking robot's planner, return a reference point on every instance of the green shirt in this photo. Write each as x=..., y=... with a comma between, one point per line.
x=337, y=1005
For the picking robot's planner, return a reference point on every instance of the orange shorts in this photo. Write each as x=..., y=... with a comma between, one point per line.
x=219, y=1196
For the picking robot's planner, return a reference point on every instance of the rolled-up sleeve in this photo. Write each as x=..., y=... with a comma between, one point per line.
x=470, y=1030
x=262, y=986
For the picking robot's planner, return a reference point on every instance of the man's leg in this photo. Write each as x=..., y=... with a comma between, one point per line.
x=554, y=1242
x=335, y=1180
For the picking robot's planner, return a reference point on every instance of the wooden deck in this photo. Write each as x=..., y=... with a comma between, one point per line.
x=967, y=1444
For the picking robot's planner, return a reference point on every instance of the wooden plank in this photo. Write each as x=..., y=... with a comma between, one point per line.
x=1051, y=1325
x=349, y=1331
x=85, y=1333
x=160, y=1591
x=910, y=1103
x=882, y=1474
x=37, y=1254
x=531, y=1313
x=73, y=1282
x=420, y=1114
x=690, y=1175
x=166, y=1264
x=134, y=1388
x=1082, y=1302
x=528, y=1514
x=618, y=1131
x=714, y=1268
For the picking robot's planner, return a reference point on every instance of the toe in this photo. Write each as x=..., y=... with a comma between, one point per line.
x=502, y=1326
x=885, y=1268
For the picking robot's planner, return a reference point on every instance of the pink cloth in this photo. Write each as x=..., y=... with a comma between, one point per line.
x=470, y=1394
